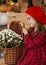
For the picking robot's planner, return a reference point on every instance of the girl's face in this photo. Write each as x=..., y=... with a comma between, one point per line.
x=31, y=21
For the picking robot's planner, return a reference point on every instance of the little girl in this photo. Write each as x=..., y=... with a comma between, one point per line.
x=35, y=40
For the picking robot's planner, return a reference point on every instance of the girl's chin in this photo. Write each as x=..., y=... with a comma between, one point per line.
x=32, y=26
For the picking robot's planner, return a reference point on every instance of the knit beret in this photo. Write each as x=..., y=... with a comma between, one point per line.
x=38, y=13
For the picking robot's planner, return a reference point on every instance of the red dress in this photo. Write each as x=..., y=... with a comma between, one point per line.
x=35, y=50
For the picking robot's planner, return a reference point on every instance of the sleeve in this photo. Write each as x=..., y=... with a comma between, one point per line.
x=35, y=42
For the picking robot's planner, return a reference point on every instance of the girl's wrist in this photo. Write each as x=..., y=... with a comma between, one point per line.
x=26, y=33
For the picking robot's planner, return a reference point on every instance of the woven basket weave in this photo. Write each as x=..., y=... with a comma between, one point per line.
x=14, y=54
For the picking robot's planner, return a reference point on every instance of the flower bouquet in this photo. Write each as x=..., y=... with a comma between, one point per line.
x=13, y=43
x=9, y=38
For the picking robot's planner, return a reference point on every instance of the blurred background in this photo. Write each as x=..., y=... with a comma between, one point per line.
x=19, y=5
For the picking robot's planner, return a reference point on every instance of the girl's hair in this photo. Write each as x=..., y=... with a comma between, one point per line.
x=41, y=27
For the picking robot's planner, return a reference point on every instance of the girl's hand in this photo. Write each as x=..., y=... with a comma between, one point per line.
x=24, y=29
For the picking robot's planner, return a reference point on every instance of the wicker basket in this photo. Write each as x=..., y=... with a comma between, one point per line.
x=14, y=54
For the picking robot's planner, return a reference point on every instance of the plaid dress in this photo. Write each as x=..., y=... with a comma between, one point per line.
x=35, y=50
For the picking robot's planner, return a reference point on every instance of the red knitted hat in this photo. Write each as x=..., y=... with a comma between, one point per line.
x=37, y=13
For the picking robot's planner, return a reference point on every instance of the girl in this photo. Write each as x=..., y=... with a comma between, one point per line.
x=35, y=40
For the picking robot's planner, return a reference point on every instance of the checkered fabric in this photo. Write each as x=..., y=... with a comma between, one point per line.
x=35, y=50
x=13, y=54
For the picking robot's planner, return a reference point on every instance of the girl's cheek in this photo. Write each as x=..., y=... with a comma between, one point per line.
x=32, y=25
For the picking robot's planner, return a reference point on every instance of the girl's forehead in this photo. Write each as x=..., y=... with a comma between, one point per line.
x=29, y=17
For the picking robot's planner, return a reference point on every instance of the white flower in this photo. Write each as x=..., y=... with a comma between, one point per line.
x=8, y=41
x=21, y=38
x=3, y=37
x=20, y=41
x=8, y=35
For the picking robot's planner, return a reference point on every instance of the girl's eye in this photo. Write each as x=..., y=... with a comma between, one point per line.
x=28, y=18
